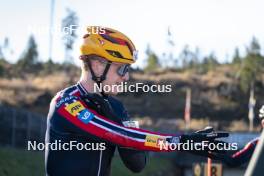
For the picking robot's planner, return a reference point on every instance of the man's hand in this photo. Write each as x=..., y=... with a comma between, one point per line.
x=227, y=159
x=102, y=106
x=207, y=135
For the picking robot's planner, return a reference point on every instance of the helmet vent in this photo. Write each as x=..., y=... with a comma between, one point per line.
x=86, y=35
x=115, y=53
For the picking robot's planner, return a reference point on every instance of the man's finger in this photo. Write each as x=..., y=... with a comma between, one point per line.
x=207, y=129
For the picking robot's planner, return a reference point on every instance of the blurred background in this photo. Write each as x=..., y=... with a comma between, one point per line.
x=211, y=52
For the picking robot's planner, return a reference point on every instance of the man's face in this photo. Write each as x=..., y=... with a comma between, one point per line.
x=261, y=116
x=262, y=123
x=112, y=77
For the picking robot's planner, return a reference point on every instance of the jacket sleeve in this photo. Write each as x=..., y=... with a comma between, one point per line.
x=134, y=160
x=76, y=112
x=242, y=156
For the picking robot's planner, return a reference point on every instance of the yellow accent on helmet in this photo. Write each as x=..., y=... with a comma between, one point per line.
x=109, y=44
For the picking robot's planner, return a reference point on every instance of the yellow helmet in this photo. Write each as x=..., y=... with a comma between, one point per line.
x=109, y=44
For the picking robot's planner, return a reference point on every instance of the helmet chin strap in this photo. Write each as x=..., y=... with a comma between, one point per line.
x=99, y=79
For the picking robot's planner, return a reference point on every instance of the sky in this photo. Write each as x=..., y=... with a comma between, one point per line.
x=211, y=25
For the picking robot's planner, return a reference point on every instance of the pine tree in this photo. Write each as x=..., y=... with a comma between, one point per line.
x=236, y=57
x=252, y=66
x=30, y=57
x=69, y=26
x=152, y=60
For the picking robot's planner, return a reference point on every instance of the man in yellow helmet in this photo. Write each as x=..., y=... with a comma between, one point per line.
x=90, y=125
